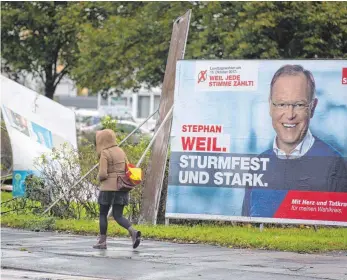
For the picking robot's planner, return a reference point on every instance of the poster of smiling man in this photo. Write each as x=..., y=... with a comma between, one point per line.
x=260, y=141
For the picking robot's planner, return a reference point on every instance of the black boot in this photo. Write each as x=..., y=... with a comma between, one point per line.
x=101, y=243
x=135, y=236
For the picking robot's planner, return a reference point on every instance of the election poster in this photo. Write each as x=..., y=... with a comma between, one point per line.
x=35, y=125
x=259, y=141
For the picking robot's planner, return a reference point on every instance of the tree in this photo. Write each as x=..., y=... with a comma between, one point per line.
x=124, y=45
x=34, y=40
x=289, y=30
x=130, y=51
x=112, y=52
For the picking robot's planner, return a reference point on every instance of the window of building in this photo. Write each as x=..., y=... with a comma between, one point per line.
x=115, y=100
x=103, y=102
x=143, y=106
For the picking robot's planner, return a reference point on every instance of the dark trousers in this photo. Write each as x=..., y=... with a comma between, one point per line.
x=117, y=213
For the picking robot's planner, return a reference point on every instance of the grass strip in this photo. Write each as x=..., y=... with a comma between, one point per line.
x=296, y=239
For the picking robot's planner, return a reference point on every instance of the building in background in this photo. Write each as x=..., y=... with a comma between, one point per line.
x=137, y=105
x=140, y=105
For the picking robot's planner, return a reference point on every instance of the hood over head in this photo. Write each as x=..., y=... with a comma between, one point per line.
x=105, y=139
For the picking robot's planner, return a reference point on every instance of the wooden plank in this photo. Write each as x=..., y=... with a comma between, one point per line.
x=157, y=162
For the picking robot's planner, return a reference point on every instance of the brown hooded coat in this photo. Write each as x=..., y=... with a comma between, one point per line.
x=111, y=159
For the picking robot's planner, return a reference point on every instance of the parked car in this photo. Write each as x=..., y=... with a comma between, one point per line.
x=85, y=118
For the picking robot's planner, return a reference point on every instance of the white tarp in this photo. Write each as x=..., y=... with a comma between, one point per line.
x=35, y=124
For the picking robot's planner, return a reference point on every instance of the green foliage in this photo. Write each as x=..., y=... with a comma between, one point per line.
x=18, y=205
x=35, y=39
x=28, y=221
x=117, y=52
x=112, y=46
x=5, y=196
x=137, y=53
x=35, y=189
x=109, y=123
x=289, y=30
x=60, y=173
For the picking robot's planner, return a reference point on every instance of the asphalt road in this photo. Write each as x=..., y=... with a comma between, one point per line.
x=50, y=255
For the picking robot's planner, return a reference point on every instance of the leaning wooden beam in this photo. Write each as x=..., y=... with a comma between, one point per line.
x=157, y=163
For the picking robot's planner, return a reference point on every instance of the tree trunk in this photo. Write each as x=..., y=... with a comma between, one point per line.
x=49, y=90
x=49, y=83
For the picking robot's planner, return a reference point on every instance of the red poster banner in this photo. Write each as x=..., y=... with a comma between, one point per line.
x=324, y=206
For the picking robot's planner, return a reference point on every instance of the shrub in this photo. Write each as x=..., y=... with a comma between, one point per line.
x=63, y=168
x=60, y=170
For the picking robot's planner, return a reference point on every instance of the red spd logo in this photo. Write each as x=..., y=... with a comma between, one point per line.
x=344, y=76
x=203, y=76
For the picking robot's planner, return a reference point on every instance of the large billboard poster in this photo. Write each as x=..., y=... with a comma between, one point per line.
x=35, y=125
x=259, y=141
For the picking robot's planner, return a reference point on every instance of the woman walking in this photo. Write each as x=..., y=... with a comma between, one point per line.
x=112, y=164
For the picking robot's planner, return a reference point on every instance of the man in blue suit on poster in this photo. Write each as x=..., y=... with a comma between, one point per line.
x=298, y=160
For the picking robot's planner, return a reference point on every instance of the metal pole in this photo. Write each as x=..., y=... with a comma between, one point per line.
x=137, y=128
x=96, y=165
x=154, y=136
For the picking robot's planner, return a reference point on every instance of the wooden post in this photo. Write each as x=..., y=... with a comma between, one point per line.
x=157, y=162
x=261, y=227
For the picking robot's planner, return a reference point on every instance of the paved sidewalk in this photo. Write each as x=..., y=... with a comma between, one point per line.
x=57, y=255
x=13, y=274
